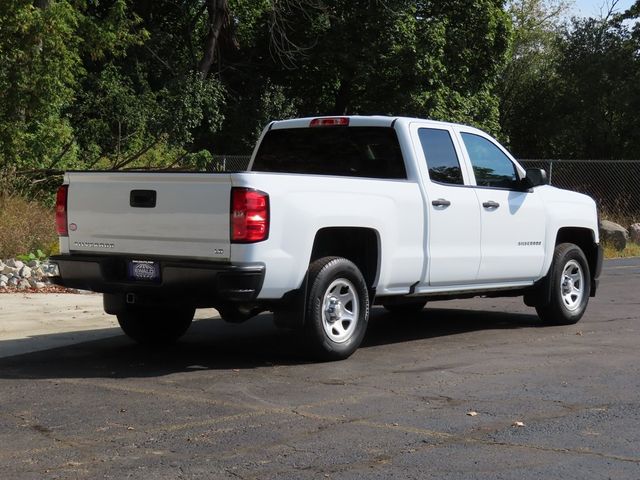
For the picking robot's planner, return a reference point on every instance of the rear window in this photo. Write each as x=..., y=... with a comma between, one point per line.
x=348, y=151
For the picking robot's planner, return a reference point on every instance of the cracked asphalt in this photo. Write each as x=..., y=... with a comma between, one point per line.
x=240, y=401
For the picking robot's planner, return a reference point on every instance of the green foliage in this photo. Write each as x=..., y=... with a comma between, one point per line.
x=39, y=66
x=572, y=91
x=37, y=255
x=437, y=59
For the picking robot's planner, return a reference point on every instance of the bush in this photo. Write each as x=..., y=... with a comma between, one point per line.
x=26, y=226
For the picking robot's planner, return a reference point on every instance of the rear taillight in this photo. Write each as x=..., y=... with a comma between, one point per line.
x=61, y=210
x=249, y=215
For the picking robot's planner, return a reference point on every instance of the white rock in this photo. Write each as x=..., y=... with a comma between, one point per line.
x=25, y=272
x=12, y=262
x=23, y=284
x=40, y=285
x=37, y=272
x=8, y=270
x=634, y=232
x=49, y=269
x=3, y=284
x=4, y=278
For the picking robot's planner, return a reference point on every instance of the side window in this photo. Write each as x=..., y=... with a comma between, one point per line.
x=491, y=167
x=442, y=161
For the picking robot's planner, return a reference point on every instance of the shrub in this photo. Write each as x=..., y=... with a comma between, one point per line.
x=25, y=226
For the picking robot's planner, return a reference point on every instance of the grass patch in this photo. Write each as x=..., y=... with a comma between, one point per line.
x=26, y=226
x=631, y=250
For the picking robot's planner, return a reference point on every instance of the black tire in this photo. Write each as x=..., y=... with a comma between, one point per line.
x=569, y=269
x=408, y=308
x=337, y=309
x=154, y=326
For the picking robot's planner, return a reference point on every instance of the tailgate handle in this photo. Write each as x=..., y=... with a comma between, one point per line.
x=142, y=198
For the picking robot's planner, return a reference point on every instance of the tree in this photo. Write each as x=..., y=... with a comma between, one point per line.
x=398, y=57
x=527, y=83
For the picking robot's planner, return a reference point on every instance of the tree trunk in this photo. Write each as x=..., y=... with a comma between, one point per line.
x=343, y=97
x=218, y=20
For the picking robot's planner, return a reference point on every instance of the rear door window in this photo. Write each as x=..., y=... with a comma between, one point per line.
x=441, y=156
x=347, y=151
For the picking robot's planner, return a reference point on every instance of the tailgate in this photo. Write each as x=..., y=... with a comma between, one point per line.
x=168, y=214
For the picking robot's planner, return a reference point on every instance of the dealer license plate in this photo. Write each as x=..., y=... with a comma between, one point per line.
x=145, y=270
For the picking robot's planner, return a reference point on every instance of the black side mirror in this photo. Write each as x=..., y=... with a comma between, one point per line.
x=535, y=177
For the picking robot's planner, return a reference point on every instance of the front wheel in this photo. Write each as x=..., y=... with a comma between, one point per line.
x=570, y=284
x=337, y=308
x=155, y=326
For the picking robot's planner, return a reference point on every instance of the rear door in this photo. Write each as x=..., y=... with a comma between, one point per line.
x=453, y=217
x=166, y=214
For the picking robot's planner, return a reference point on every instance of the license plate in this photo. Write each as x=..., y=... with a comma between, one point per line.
x=144, y=270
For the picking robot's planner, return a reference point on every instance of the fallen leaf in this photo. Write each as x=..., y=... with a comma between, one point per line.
x=472, y=413
x=518, y=424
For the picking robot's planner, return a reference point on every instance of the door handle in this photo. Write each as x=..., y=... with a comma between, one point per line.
x=490, y=204
x=441, y=202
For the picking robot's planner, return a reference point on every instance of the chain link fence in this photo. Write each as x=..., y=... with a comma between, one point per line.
x=229, y=163
x=613, y=184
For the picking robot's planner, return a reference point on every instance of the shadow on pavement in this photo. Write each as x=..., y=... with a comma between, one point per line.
x=216, y=345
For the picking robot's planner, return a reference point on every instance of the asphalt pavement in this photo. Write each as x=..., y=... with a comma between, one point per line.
x=473, y=389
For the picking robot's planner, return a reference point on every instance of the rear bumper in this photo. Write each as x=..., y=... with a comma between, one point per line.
x=201, y=283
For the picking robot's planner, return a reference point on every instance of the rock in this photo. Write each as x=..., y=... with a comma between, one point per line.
x=33, y=263
x=4, y=278
x=25, y=272
x=3, y=284
x=40, y=285
x=37, y=272
x=13, y=282
x=614, y=233
x=12, y=262
x=22, y=284
x=8, y=270
x=634, y=232
x=49, y=269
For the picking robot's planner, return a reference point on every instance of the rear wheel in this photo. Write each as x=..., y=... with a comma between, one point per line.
x=155, y=326
x=570, y=284
x=337, y=309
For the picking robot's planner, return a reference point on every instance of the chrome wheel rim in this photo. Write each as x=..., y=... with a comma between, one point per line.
x=340, y=310
x=572, y=285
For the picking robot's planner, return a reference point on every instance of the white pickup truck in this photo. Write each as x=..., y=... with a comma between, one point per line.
x=333, y=215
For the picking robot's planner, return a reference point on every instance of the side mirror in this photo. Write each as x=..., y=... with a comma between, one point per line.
x=535, y=177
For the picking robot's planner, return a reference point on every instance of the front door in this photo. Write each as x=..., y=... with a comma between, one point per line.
x=513, y=220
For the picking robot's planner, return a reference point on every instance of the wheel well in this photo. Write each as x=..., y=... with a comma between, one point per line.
x=358, y=244
x=583, y=238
